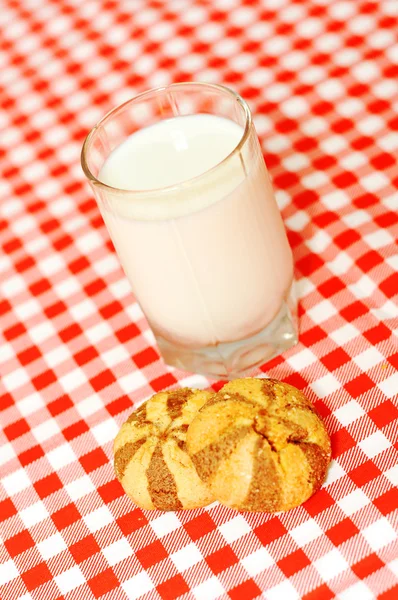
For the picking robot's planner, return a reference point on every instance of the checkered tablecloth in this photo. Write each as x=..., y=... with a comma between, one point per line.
x=76, y=353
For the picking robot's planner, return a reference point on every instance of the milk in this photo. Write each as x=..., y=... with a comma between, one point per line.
x=170, y=152
x=208, y=258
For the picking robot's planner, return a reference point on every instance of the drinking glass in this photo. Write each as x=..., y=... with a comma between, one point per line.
x=207, y=257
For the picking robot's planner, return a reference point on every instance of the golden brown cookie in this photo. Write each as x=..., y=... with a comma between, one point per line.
x=150, y=457
x=259, y=445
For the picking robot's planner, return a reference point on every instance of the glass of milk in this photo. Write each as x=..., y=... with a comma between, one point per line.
x=181, y=184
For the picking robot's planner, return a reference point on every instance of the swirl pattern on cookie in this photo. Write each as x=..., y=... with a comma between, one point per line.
x=259, y=445
x=150, y=458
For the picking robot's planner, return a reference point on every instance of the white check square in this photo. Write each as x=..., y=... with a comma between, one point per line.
x=34, y=514
x=353, y=502
x=165, y=524
x=15, y=379
x=235, y=529
x=257, y=562
x=46, y=430
x=80, y=487
x=98, y=519
x=209, y=589
x=7, y=453
x=284, y=590
x=105, y=431
x=389, y=386
x=52, y=546
x=374, y=444
x=379, y=534
x=344, y=334
x=306, y=532
x=356, y=591
x=186, y=557
x=302, y=359
x=331, y=564
x=61, y=456
x=368, y=359
x=348, y=413
x=8, y=572
x=69, y=580
x=118, y=551
x=322, y=311
x=16, y=482
x=137, y=586
x=326, y=385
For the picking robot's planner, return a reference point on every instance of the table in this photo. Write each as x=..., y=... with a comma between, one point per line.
x=76, y=353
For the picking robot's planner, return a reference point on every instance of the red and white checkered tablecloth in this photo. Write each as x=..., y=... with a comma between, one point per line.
x=76, y=353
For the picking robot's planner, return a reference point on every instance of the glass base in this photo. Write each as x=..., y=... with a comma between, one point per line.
x=233, y=359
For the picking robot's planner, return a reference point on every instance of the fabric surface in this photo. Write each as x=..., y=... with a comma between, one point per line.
x=76, y=353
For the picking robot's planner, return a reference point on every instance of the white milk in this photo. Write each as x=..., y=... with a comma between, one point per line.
x=208, y=261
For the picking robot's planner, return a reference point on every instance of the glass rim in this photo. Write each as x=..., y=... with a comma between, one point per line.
x=176, y=186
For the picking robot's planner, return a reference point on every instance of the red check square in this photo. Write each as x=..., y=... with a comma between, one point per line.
x=110, y=491
x=44, y=379
x=323, y=592
x=16, y=429
x=294, y=562
x=151, y=554
x=221, y=559
x=341, y=532
x=85, y=356
x=335, y=359
x=145, y=358
x=28, y=356
x=102, y=380
x=384, y=413
x=119, y=405
x=19, y=543
x=83, y=549
x=60, y=405
x=48, y=485
x=247, y=590
x=312, y=336
x=318, y=502
x=36, y=576
x=70, y=332
x=390, y=594
x=377, y=334
x=199, y=526
x=93, y=460
x=65, y=516
x=309, y=264
x=73, y=431
x=6, y=401
x=172, y=588
x=368, y=565
x=132, y=521
x=270, y=531
x=341, y=441
x=7, y=509
x=364, y=473
x=30, y=455
x=127, y=333
x=389, y=286
x=387, y=502
x=354, y=311
x=163, y=382
x=103, y=583
x=360, y=385
x=331, y=286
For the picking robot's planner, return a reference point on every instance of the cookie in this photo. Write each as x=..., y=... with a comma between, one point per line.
x=259, y=445
x=151, y=461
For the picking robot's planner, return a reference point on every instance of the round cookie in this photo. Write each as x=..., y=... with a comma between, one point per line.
x=151, y=461
x=259, y=445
